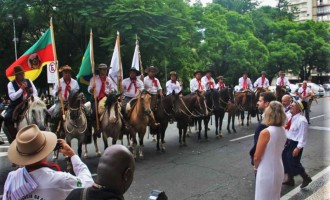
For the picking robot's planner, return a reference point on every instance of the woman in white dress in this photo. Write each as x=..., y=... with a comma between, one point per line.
x=268, y=164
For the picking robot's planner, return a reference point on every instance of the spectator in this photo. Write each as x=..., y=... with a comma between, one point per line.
x=115, y=173
x=268, y=164
x=286, y=101
x=38, y=178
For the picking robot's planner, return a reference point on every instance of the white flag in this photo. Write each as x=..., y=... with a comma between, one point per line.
x=136, y=60
x=115, y=64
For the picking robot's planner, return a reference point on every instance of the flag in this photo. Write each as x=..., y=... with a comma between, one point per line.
x=116, y=71
x=136, y=59
x=33, y=60
x=85, y=71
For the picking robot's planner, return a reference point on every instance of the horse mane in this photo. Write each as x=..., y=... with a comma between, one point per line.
x=36, y=101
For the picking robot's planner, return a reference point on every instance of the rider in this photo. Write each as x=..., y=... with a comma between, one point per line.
x=67, y=85
x=152, y=85
x=262, y=82
x=132, y=86
x=221, y=84
x=18, y=91
x=103, y=86
x=173, y=84
x=244, y=82
x=196, y=83
x=282, y=81
x=207, y=80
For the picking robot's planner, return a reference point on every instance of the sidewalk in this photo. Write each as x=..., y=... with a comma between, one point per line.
x=319, y=189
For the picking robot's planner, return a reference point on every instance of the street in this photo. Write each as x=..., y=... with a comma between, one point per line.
x=213, y=169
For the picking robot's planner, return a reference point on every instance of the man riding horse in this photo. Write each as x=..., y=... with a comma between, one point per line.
x=282, y=83
x=18, y=91
x=262, y=82
x=208, y=81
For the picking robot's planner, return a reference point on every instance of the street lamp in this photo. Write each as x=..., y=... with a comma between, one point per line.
x=11, y=17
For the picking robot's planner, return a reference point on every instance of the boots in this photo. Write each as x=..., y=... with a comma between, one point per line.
x=289, y=181
x=12, y=131
x=306, y=180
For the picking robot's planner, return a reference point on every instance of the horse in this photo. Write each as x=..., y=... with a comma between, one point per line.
x=226, y=104
x=75, y=124
x=35, y=113
x=280, y=92
x=138, y=120
x=246, y=101
x=111, y=120
x=213, y=104
x=190, y=106
x=163, y=114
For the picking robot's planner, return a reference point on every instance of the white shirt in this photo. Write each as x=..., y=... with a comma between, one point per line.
x=287, y=112
x=298, y=130
x=285, y=79
x=110, y=86
x=172, y=86
x=54, y=185
x=14, y=95
x=217, y=86
x=195, y=86
x=258, y=83
x=73, y=84
x=208, y=83
x=150, y=86
x=301, y=93
x=241, y=81
x=131, y=92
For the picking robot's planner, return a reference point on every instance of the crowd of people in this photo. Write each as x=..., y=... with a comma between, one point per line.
x=278, y=143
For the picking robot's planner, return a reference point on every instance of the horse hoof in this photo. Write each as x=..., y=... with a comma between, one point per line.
x=98, y=154
x=85, y=156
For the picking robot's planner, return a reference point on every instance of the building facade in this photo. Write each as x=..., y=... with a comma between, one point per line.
x=321, y=10
x=317, y=10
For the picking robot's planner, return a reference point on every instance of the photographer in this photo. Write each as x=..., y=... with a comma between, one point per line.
x=37, y=178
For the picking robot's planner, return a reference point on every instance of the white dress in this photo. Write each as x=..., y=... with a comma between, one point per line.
x=270, y=172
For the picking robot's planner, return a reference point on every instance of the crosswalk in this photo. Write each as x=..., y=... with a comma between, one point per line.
x=4, y=147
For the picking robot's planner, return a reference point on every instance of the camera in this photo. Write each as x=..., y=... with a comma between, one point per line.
x=57, y=148
x=157, y=195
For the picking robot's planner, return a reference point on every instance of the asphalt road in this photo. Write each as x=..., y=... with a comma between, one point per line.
x=217, y=169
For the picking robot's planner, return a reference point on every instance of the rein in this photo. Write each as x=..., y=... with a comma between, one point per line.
x=71, y=121
x=189, y=112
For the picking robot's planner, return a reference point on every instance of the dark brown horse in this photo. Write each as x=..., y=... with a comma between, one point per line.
x=246, y=101
x=280, y=92
x=190, y=106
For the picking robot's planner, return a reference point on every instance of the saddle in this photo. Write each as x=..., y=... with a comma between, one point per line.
x=128, y=108
x=20, y=110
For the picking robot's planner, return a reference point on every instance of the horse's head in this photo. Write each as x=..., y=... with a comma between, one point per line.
x=280, y=92
x=37, y=113
x=144, y=101
x=76, y=97
x=213, y=99
x=112, y=98
x=200, y=104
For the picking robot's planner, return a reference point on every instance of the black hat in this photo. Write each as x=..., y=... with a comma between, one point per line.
x=245, y=72
x=138, y=73
x=198, y=71
x=209, y=71
x=156, y=70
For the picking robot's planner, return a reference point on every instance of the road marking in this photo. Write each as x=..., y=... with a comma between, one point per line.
x=317, y=117
x=3, y=154
x=295, y=191
x=241, y=138
x=319, y=128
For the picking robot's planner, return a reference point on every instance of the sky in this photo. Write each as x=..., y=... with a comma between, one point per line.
x=263, y=2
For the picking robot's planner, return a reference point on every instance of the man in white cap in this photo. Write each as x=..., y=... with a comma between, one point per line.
x=196, y=83
x=208, y=81
x=262, y=82
x=282, y=81
x=38, y=178
x=173, y=84
x=296, y=131
x=221, y=84
x=245, y=83
x=18, y=91
x=132, y=86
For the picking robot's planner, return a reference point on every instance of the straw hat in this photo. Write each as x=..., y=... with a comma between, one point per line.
x=263, y=72
x=198, y=71
x=31, y=145
x=173, y=73
x=282, y=72
x=155, y=69
x=300, y=105
x=245, y=72
x=65, y=68
x=138, y=73
x=220, y=77
x=102, y=66
x=18, y=69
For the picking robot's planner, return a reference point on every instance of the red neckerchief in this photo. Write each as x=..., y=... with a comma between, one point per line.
x=174, y=82
x=19, y=83
x=67, y=88
x=154, y=81
x=39, y=165
x=133, y=81
x=221, y=86
x=102, y=90
x=199, y=84
x=245, y=86
x=304, y=91
x=210, y=83
x=263, y=81
x=282, y=82
x=288, y=124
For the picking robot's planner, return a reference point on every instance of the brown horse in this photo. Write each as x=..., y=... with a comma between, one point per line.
x=246, y=101
x=280, y=92
x=190, y=106
x=138, y=120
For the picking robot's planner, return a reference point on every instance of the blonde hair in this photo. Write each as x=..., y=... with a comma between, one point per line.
x=274, y=114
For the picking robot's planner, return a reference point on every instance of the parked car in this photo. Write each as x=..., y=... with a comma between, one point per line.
x=326, y=87
x=317, y=90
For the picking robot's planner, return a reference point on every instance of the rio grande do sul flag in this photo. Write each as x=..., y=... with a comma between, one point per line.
x=32, y=61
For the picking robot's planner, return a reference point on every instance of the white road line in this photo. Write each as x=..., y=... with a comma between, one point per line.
x=3, y=154
x=298, y=189
x=317, y=117
x=241, y=138
x=319, y=128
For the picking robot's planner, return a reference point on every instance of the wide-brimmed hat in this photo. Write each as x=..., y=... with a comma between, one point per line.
x=138, y=73
x=155, y=69
x=209, y=71
x=18, y=69
x=102, y=66
x=263, y=72
x=65, y=68
x=173, y=73
x=198, y=71
x=282, y=72
x=245, y=72
x=31, y=145
x=220, y=77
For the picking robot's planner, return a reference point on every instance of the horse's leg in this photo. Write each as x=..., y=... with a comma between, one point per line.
x=228, y=122
x=133, y=142
x=206, y=123
x=221, y=116
x=97, y=150
x=242, y=118
x=184, y=135
x=105, y=139
x=180, y=132
x=233, y=124
x=248, y=118
x=158, y=139
x=216, y=119
x=199, y=121
x=86, y=151
x=162, y=132
x=141, y=136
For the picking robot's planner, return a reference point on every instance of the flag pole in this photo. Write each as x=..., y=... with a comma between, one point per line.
x=140, y=61
x=94, y=79
x=120, y=67
x=56, y=66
